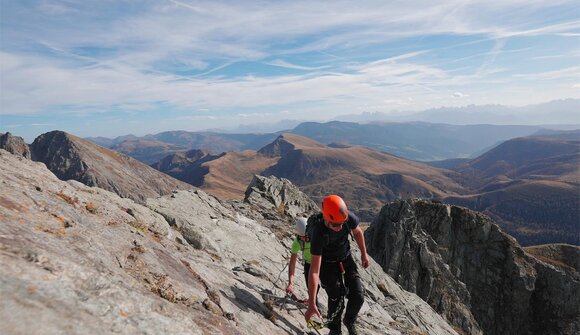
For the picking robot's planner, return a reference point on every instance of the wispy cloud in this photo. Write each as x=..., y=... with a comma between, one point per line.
x=492, y=56
x=570, y=72
x=214, y=56
x=42, y=124
x=284, y=64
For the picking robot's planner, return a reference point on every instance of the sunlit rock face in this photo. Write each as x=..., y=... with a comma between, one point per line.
x=465, y=267
x=82, y=260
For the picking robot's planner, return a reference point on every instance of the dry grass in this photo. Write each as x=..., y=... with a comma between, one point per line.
x=67, y=199
x=229, y=176
x=51, y=231
x=383, y=288
x=281, y=209
x=60, y=231
x=91, y=208
x=269, y=312
x=553, y=255
x=140, y=226
x=138, y=247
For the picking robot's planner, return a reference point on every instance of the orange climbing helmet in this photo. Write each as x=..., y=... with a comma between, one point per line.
x=334, y=209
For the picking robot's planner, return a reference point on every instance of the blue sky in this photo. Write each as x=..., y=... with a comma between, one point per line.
x=117, y=67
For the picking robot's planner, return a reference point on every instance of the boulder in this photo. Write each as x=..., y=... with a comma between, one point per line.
x=15, y=145
x=279, y=195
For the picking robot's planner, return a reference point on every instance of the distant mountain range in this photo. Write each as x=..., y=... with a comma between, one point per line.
x=529, y=185
x=557, y=112
x=151, y=148
x=365, y=176
x=415, y=140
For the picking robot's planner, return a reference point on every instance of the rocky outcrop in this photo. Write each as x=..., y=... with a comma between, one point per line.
x=479, y=278
x=70, y=157
x=186, y=166
x=15, y=145
x=272, y=194
x=562, y=256
x=78, y=260
x=279, y=147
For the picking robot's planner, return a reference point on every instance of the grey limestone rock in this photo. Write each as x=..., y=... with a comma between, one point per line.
x=478, y=277
x=81, y=260
x=271, y=193
x=15, y=145
x=71, y=157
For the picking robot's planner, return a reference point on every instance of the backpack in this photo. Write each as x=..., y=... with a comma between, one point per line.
x=316, y=220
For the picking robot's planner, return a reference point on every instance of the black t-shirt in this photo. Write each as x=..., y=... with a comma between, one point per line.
x=329, y=244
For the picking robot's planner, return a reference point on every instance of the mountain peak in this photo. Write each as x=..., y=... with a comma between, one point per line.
x=287, y=142
x=71, y=157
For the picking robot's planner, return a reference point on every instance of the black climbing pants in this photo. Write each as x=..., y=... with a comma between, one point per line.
x=306, y=273
x=331, y=279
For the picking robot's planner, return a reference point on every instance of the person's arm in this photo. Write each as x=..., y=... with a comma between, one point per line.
x=291, y=270
x=360, y=241
x=313, y=278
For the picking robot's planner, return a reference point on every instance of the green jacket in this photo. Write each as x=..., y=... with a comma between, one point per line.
x=298, y=245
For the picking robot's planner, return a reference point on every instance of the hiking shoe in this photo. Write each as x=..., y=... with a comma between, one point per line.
x=351, y=329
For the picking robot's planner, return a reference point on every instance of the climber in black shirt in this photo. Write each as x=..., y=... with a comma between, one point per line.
x=332, y=264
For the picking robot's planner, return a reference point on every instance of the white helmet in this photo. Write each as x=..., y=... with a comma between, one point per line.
x=301, y=225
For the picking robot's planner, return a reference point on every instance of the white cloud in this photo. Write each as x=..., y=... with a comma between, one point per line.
x=137, y=52
x=569, y=72
x=43, y=124
x=284, y=64
x=460, y=95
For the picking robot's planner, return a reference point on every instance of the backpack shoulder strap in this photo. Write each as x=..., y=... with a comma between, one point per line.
x=315, y=221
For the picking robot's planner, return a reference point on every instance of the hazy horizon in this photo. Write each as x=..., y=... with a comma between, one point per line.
x=362, y=118
x=97, y=68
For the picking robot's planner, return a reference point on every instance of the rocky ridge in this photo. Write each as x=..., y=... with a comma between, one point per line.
x=271, y=194
x=479, y=278
x=15, y=145
x=70, y=157
x=186, y=166
x=79, y=259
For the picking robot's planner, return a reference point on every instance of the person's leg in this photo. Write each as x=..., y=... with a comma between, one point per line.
x=355, y=291
x=330, y=279
x=306, y=275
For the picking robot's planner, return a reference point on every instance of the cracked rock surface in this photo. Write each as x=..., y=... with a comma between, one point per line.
x=478, y=277
x=82, y=260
